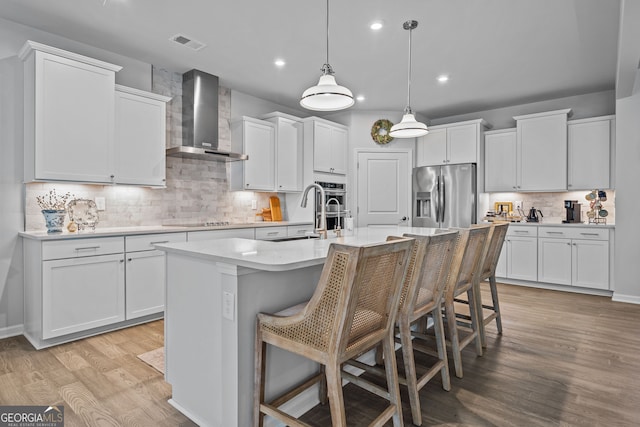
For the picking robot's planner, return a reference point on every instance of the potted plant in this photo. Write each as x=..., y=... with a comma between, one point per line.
x=53, y=207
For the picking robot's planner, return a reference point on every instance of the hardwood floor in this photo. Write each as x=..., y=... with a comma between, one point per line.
x=564, y=359
x=99, y=380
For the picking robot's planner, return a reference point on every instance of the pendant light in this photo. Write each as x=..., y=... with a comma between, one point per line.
x=408, y=127
x=327, y=95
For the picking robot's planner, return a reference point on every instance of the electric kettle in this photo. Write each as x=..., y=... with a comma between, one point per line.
x=534, y=215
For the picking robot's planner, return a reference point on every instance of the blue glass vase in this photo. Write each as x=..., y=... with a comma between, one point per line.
x=54, y=219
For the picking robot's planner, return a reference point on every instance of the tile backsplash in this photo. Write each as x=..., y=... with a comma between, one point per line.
x=196, y=190
x=552, y=204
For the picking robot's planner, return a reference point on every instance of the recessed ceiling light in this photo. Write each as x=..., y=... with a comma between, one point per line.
x=279, y=62
x=360, y=98
x=376, y=25
x=443, y=78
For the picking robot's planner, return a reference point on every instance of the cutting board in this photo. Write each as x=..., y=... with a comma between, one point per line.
x=276, y=212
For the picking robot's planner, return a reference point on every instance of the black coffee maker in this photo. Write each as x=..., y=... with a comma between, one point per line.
x=573, y=211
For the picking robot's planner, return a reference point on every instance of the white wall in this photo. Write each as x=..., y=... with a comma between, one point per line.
x=588, y=105
x=248, y=105
x=134, y=73
x=11, y=214
x=627, y=237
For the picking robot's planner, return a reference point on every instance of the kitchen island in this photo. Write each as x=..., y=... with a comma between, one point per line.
x=214, y=291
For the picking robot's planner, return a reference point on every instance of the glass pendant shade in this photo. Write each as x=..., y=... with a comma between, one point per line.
x=409, y=127
x=327, y=96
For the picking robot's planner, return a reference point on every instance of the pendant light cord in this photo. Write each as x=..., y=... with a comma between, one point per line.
x=327, y=32
x=408, y=109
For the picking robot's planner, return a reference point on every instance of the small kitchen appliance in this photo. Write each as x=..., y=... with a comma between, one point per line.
x=573, y=211
x=534, y=215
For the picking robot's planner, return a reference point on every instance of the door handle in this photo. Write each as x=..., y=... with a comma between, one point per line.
x=438, y=199
x=444, y=201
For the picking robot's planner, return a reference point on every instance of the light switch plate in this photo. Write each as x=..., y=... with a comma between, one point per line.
x=100, y=203
x=228, y=305
x=517, y=205
x=254, y=204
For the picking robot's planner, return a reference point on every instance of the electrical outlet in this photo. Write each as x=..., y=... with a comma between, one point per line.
x=100, y=203
x=254, y=204
x=228, y=305
x=517, y=205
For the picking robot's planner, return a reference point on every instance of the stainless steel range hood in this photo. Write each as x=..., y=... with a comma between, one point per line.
x=200, y=120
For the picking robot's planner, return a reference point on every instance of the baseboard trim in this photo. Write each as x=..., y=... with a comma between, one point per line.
x=554, y=287
x=631, y=299
x=11, y=331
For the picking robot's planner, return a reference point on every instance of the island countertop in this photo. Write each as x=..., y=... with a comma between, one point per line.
x=282, y=256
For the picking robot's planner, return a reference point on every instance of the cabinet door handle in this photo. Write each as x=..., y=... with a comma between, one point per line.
x=86, y=248
x=521, y=231
x=555, y=232
x=589, y=234
x=157, y=243
x=129, y=259
x=121, y=260
x=272, y=233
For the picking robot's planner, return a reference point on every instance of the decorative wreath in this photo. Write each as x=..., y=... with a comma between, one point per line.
x=380, y=131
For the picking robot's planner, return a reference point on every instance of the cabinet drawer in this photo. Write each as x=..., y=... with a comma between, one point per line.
x=522, y=231
x=146, y=242
x=574, y=233
x=267, y=233
x=299, y=230
x=75, y=248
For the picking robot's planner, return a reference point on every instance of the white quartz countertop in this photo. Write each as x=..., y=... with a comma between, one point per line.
x=151, y=229
x=281, y=256
x=556, y=222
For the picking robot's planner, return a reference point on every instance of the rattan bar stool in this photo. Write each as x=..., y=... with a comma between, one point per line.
x=352, y=310
x=424, y=283
x=464, y=279
x=493, y=248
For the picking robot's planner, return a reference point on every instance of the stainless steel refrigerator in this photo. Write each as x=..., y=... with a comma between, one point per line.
x=444, y=196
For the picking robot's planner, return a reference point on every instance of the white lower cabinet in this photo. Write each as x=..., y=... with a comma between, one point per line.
x=82, y=293
x=574, y=256
x=145, y=273
x=76, y=287
x=519, y=256
x=145, y=283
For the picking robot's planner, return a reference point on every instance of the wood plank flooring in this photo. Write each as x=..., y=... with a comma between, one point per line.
x=564, y=359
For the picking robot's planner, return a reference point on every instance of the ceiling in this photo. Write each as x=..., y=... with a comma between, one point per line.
x=497, y=53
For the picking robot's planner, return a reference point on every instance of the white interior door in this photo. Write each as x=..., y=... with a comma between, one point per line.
x=383, y=188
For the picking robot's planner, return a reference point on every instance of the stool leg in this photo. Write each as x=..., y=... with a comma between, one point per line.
x=258, y=392
x=480, y=315
x=391, y=370
x=453, y=337
x=496, y=303
x=323, y=386
x=336, y=398
x=410, y=371
x=438, y=327
x=476, y=324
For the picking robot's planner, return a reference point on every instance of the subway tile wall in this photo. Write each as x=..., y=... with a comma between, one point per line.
x=552, y=204
x=196, y=191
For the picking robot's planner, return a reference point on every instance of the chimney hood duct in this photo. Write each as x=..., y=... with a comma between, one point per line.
x=200, y=120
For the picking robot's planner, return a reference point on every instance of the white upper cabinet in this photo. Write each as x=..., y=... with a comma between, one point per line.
x=257, y=139
x=590, y=159
x=500, y=160
x=140, y=137
x=542, y=151
x=453, y=143
x=330, y=141
x=69, y=116
x=289, y=151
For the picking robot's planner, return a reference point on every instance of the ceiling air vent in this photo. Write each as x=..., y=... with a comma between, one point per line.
x=187, y=41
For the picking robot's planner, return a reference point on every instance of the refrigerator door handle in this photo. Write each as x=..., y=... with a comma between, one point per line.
x=438, y=199
x=443, y=201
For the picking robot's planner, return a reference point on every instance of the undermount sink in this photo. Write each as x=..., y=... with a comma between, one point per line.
x=287, y=239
